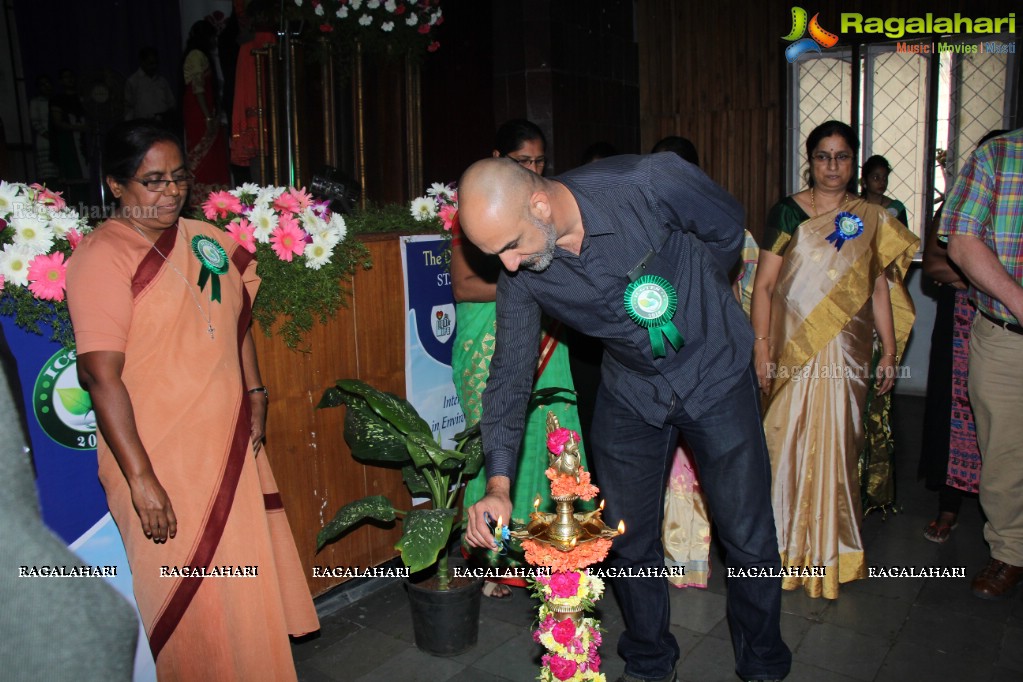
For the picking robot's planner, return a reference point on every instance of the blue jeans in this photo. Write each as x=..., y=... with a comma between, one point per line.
x=632, y=460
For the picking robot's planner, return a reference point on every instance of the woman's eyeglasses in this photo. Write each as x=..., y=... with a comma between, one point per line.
x=841, y=157
x=182, y=181
x=538, y=162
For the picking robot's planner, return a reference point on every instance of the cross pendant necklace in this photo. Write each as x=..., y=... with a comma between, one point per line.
x=207, y=317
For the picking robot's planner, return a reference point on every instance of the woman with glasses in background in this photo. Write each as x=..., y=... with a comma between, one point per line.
x=474, y=284
x=829, y=276
x=161, y=308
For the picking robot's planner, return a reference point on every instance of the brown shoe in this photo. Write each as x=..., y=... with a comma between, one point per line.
x=996, y=580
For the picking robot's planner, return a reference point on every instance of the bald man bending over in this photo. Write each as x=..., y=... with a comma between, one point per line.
x=635, y=250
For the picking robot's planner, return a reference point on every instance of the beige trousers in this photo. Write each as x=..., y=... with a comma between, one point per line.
x=996, y=394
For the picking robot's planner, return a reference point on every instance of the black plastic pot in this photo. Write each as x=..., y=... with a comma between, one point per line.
x=445, y=623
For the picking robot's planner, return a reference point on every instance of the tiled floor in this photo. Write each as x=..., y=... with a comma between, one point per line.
x=900, y=629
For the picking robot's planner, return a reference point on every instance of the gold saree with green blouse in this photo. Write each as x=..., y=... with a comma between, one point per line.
x=822, y=326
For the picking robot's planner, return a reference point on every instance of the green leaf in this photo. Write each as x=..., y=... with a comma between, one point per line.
x=426, y=535
x=415, y=482
x=397, y=412
x=376, y=507
x=370, y=438
x=474, y=458
x=426, y=453
x=75, y=400
x=332, y=397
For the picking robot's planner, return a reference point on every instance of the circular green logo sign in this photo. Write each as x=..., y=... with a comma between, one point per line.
x=650, y=301
x=210, y=253
x=62, y=407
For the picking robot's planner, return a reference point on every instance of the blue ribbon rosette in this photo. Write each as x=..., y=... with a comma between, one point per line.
x=847, y=226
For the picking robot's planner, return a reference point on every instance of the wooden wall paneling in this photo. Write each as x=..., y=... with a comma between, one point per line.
x=314, y=467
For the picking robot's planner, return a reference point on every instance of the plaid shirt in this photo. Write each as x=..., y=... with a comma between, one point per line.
x=986, y=201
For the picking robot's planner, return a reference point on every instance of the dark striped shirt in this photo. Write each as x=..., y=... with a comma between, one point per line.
x=630, y=205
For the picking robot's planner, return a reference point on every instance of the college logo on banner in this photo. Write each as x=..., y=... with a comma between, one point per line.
x=443, y=321
x=62, y=407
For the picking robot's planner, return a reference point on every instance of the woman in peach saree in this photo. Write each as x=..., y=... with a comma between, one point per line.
x=161, y=308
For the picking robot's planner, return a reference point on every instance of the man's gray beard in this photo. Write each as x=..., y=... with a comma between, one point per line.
x=539, y=262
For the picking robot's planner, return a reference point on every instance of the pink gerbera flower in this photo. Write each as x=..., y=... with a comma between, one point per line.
x=447, y=216
x=1, y=282
x=241, y=231
x=220, y=204
x=303, y=198
x=287, y=203
x=46, y=276
x=288, y=240
x=73, y=236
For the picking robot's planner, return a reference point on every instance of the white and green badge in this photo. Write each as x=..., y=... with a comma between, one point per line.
x=651, y=302
x=214, y=263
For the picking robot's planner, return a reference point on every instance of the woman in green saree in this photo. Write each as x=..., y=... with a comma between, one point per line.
x=474, y=283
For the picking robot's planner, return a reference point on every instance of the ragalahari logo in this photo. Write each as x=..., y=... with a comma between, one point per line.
x=818, y=36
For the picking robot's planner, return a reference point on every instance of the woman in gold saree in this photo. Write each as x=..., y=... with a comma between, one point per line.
x=829, y=277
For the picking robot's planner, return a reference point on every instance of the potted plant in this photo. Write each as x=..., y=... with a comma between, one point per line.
x=385, y=430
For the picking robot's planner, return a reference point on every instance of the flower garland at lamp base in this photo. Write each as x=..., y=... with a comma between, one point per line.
x=38, y=231
x=566, y=543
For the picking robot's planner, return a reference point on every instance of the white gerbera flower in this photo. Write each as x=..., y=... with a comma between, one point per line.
x=423, y=208
x=412, y=19
x=32, y=231
x=264, y=221
x=64, y=221
x=435, y=17
x=365, y=20
x=298, y=3
x=311, y=222
x=317, y=253
x=247, y=189
x=390, y=6
x=356, y=4
x=338, y=227
x=372, y=4
x=440, y=191
x=342, y=12
x=14, y=262
x=319, y=11
x=8, y=196
x=387, y=26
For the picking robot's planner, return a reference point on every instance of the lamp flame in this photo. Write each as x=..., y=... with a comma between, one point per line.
x=601, y=505
x=621, y=526
x=500, y=524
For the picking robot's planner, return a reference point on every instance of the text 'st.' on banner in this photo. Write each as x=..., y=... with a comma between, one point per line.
x=62, y=434
x=429, y=333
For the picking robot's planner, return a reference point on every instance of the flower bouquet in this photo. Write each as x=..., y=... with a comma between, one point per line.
x=303, y=251
x=38, y=231
x=382, y=27
x=438, y=207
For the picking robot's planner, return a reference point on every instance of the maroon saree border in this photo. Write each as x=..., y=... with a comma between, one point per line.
x=224, y=500
x=153, y=262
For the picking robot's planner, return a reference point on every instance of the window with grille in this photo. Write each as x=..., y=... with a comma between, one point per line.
x=924, y=112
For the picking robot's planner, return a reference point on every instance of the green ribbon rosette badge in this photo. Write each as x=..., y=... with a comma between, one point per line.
x=214, y=263
x=651, y=302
